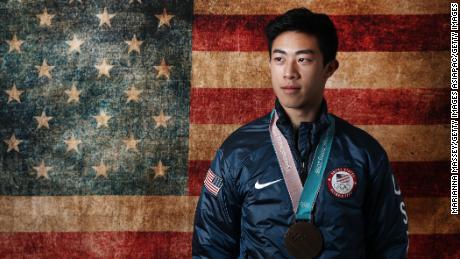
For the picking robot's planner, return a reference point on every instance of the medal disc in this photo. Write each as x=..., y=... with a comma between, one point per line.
x=303, y=240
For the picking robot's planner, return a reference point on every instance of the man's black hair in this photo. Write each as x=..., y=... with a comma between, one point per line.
x=303, y=20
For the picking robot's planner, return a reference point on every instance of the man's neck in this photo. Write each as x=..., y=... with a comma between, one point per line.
x=304, y=114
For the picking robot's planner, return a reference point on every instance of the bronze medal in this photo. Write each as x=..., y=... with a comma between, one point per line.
x=303, y=240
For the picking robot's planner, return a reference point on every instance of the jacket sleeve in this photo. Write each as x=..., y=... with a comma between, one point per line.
x=216, y=232
x=385, y=214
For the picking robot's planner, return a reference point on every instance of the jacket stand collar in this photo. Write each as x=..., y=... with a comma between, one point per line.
x=308, y=134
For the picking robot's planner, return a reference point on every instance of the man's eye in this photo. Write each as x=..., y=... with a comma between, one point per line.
x=278, y=59
x=305, y=60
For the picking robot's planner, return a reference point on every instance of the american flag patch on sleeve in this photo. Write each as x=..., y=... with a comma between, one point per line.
x=212, y=182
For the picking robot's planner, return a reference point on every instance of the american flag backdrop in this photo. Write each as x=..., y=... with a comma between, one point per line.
x=111, y=110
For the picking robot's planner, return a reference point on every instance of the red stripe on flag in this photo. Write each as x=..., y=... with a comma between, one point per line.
x=356, y=32
x=440, y=246
x=415, y=179
x=163, y=245
x=358, y=106
x=423, y=179
x=227, y=106
x=96, y=245
x=196, y=174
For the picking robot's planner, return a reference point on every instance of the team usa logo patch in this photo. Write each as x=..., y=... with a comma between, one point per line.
x=342, y=182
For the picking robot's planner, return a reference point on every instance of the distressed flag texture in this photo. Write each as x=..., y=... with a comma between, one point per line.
x=110, y=112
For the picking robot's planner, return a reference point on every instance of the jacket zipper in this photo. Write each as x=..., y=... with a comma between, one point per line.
x=304, y=172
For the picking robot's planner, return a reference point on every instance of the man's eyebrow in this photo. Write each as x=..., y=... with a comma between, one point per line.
x=305, y=51
x=279, y=51
x=302, y=51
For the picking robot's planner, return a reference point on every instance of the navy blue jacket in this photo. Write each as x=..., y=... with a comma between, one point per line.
x=242, y=221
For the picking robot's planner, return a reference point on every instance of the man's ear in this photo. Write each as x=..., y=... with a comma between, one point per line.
x=331, y=67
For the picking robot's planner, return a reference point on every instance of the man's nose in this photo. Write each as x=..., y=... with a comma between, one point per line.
x=290, y=71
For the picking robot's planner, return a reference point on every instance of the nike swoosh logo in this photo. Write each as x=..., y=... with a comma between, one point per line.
x=259, y=186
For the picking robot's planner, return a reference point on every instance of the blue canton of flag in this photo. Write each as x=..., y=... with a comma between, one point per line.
x=94, y=97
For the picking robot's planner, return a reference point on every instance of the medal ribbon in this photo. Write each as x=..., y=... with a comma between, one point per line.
x=302, y=201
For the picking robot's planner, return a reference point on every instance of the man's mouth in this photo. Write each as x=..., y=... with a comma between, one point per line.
x=290, y=89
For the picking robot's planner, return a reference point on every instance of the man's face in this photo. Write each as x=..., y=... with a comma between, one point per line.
x=297, y=71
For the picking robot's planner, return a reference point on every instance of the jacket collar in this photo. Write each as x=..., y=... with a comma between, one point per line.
x=308, y=134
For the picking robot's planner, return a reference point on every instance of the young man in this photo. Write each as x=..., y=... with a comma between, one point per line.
x=300, y=182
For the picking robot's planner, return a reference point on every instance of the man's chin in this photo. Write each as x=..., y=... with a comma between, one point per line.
x=305, y=105
x=293, y=106
x=298, y=102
